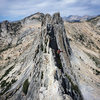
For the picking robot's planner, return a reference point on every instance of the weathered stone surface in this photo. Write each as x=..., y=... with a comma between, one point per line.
x=55, y=34
x=30, y=67
x=85, y=58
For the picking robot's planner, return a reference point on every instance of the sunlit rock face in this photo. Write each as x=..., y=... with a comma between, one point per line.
x=31, y=67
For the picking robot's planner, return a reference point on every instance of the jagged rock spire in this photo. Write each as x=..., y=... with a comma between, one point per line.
x=57, y=19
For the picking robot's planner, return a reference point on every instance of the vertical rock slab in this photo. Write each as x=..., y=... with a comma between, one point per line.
x=55, y=32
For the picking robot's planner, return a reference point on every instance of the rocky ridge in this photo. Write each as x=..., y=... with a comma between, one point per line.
x=30, y=67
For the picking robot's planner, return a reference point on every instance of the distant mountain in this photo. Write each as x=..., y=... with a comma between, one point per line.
x=76, y=18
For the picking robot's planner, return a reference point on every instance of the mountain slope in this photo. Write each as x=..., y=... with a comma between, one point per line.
x=31, y=67
x=84, y=40
x=17, y=59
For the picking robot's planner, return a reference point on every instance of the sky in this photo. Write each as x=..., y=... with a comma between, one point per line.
x=17, y=9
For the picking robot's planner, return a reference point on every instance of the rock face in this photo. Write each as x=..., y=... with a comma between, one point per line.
x=30, y=66
x=54, y=38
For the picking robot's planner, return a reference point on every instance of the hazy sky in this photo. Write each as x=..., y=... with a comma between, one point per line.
x=18, y=9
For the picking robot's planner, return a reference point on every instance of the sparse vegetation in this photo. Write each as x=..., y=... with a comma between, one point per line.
x=96, y=72
x=46, y=41
x=45, y=45
x=13, y=81
x=80, y=37
x=84, y=40
x=94, y=20
x=6, y=85
x=35, y=18
x=42, y=75
x=2, y=67
x=25, y=86
x=59, y=63
x=74, y=87
x=41, y=47
x=6, y=72
x=6, y=48
x=1, y=58
x=45, y=50
x=15, y=27
x=3, y=83
x=36, y=52
x=58, y=60
x=95, y=59
x=8, y=58
x=69, y=39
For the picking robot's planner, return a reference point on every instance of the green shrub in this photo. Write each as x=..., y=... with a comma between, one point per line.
x=25, y=86
x=41, y=47
x=42, y=75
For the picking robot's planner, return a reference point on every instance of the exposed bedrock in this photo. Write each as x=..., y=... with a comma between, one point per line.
x=40, y=73
x=54, y=34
